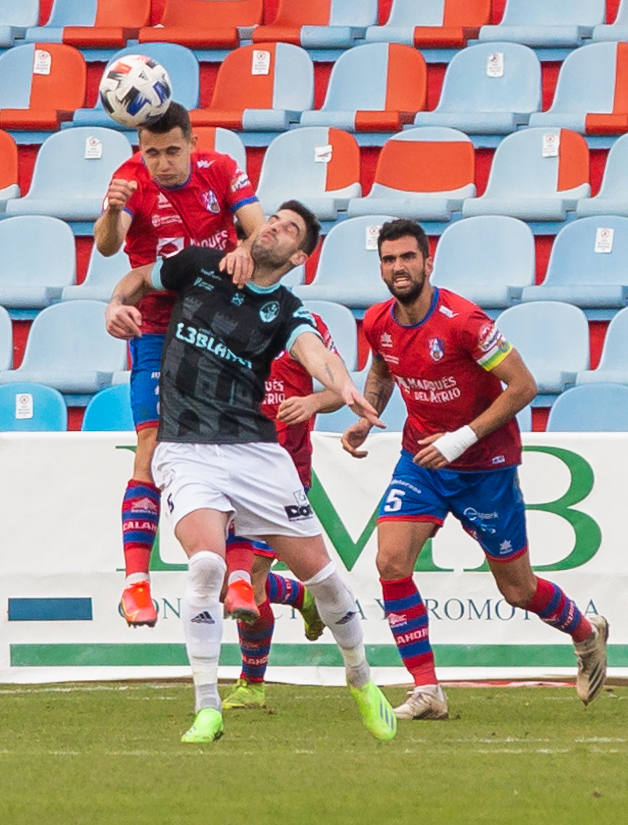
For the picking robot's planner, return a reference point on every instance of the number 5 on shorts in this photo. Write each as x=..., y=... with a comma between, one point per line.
x=394, y=500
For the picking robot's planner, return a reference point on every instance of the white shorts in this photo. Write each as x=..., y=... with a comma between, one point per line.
x=257, y=483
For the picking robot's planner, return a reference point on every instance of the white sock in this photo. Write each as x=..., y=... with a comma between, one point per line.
x=201, y=616
x=133, y=578
x=336, y=606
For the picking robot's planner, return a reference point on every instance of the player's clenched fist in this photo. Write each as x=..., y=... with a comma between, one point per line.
x=119, y=193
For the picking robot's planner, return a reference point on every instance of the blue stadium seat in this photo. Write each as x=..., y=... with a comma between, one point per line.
x=524, y=419
x=536, y=175
x=588, y=96
x=183, y=70
x=423, y=173
x=324, y=166
x=216, y=139
x=32, y=407
x=374, y=87
x=348, y=269
x=102, y=275
x=342, y=326
x=67, y=184
x=558, y=24
x=15, y=18
x=92, y=23
x=488, y=259
x=490, y=88
x=432, y=23
x=613, y=364
x=587, y=265
x=612, y=198
x=617, y=30
x=38, y=260
x=6, y=340
x=552, y=338
x=109, y=410
x=394, y=415
x=599, y=407
x=69, y=349
x=331, y=24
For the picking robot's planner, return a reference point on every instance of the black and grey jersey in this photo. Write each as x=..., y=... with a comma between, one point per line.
x=218, y=351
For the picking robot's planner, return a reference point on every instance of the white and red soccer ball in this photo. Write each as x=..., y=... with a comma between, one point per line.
x=135, y=90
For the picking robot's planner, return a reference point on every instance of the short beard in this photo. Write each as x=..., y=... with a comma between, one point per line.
x=410, y=296
x=266, y=258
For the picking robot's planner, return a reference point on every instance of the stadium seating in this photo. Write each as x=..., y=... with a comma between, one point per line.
x=537, y=175
x=216, y=139
x=15, y=18
x=488, y=259
x=32, y=407
x=204, y=24
x=587, y=265
x=373, y=88
x=72, y=172
x=6, y=340
x=342, y=326
x=423, y=173
x=324, y=166
x=613, y=364
x=590, y=408
x=41, y=84
x=183, y=70
x=109, y=411
x=553, y=339
x=261, y=88
x=92, y=23
x=38, y=259
x=444, y=24
x=616, y=31
x=69, y=349
x=490, y=88
x=590, y=94
x=8, y=170
x=612, y=198
x=557, y=24
x=348, y=269
x=524, y=419
x=318, y=24
x=102, y=275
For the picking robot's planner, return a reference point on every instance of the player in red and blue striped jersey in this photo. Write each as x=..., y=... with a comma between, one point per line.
x=460, y=451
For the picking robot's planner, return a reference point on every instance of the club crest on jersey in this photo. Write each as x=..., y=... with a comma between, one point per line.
x=238, y=299
x=210, y=201
x=437, y=348
x=385, y=340
x=269, y=311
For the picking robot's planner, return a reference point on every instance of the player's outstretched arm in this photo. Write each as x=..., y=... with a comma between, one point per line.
x=122, y=318
x=377, y=391
x=112, y=226
x=329, y=369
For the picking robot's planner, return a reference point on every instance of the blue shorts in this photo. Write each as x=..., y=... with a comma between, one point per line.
x=488, y=504
x=145, y=367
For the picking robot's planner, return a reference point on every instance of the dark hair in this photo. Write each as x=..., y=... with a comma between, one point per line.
x=312, y=226
x=175, y=115
x=400, y=228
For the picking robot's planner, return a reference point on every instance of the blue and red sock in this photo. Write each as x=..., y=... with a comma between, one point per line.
x=281, y=590
x=140, y=520
x=555, y=608
x=407, y=618
x=255, y=639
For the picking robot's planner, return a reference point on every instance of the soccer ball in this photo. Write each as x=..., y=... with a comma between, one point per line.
x=135, y=89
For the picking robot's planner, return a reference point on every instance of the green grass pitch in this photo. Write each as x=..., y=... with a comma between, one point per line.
x=96, y=754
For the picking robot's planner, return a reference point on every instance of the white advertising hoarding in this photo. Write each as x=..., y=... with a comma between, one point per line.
x=61, y=566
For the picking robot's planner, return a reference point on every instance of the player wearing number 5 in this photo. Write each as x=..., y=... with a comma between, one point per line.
x=460, y=451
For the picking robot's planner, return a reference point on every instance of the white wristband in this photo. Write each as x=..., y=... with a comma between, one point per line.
x=452, y=445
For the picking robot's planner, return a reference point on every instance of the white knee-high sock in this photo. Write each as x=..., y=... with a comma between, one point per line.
x=336, y=605
x=201, y=616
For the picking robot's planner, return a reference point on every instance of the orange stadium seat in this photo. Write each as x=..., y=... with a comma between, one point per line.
x=319, y=24
x=373, y=88
x=92, y=23
x=260, y=87
x=204, y=24
x=423, y=173
x=41, y=84
x=8, y=169
x=443, y=24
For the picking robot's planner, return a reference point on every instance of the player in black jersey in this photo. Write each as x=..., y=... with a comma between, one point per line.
x=218, y=459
